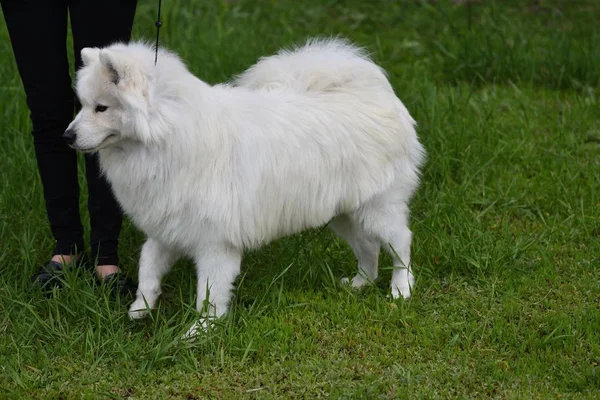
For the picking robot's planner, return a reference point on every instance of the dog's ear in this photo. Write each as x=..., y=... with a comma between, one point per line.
x=89, y=55
x=113, y=65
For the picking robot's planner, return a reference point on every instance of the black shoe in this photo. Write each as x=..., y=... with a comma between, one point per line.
x=49, y=276
x=119, y=284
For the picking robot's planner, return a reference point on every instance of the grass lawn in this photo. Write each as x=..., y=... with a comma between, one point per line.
x=506, y=226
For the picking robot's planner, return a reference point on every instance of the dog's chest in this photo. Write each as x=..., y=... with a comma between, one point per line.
x=143, y=200
x=142, y=191
x=160, y=203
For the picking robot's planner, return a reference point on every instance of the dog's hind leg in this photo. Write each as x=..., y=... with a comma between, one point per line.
x=217, y=268
x=365, y=247
x=387, y=219
x=156, y=260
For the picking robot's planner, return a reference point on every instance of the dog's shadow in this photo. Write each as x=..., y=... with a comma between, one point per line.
x=312, y=261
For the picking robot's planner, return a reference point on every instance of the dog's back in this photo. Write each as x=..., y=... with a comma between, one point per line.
x=333, y=67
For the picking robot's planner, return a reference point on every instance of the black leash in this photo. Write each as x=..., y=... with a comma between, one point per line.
x=158, y=24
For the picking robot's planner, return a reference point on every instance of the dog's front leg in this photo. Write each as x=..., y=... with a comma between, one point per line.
x=217, y=268
x=156, y=260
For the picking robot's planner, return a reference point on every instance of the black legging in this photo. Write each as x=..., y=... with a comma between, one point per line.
x=38, y=33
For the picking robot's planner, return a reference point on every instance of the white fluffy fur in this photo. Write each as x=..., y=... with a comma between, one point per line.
x=303, y=138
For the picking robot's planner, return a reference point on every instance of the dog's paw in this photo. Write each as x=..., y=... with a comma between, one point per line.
x=198, y=328
x=357, y=282
x=194, y=330
x=403, y=289
x=138, y=310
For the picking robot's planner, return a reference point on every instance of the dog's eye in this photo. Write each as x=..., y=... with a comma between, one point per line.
x=100, y=108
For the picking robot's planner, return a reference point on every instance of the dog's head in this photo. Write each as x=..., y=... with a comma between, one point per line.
x=113, y=87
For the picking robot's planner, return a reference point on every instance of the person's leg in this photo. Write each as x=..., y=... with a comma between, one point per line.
x=38, y=30
x=98, y=24
x=105, y=219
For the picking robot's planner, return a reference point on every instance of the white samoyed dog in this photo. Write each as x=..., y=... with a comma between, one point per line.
x=303, y=138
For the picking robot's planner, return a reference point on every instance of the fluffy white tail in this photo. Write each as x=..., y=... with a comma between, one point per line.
x=318, y=66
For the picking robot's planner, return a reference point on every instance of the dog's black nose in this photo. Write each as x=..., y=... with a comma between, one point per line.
x=70, y=136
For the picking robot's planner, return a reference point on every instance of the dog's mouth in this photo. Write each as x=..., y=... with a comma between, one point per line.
x=103, y=144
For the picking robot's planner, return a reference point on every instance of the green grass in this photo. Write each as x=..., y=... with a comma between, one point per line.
x=506, y=226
